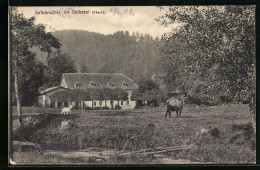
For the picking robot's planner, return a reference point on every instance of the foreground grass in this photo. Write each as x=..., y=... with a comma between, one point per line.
x=37, y=158
x=230, y=139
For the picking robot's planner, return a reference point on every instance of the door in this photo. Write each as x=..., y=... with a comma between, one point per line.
x=112, y=104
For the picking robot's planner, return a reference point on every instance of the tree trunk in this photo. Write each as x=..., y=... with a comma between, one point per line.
x=19, y=110
x=18, y=100
x=252, y=104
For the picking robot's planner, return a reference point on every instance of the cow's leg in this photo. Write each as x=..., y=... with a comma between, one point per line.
x=170, y=114
x=166, y=112
x=180, y=114
x=177, y=113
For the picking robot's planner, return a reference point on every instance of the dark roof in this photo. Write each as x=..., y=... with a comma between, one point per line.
x=99, y=79
x=51, y=89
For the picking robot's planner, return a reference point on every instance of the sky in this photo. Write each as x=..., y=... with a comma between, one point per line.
x=104, y=20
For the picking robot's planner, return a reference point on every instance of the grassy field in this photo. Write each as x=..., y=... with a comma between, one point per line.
x=230, y=138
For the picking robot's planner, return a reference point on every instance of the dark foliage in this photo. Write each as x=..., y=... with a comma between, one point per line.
x=149, y=91
x=212, y=55
x=147, y=85
x=57, y=64
x=30, y=79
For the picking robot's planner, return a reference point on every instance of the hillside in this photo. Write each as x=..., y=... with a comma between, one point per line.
x=134, y=55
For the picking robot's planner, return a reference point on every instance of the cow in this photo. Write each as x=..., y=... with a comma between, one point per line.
x=66, y=110
x=174, y=104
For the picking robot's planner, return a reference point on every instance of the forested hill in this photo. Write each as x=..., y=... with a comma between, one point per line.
x=134, y=55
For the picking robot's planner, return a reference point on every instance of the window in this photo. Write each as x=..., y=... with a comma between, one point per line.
x=122, y=102
x=124, y=84
x=109, y=84
x=127, y=102
x=76, y=84
x=100, y=103
x=95, y=103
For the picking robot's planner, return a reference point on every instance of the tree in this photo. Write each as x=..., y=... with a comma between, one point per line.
x=24, y=34
x=146, y=85
x=149, y=91
x=154, y=97
x=83, y=69
x=56, y=65
x=30, y=78
x=216, y=50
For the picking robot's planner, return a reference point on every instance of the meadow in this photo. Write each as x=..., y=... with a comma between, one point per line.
x=229, y=138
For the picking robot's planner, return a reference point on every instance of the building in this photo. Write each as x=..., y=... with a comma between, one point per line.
x=44, y=99
x=85, y=81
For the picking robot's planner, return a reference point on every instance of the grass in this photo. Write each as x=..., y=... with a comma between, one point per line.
x=230, y=139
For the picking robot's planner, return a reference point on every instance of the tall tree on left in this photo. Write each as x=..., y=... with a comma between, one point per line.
x=25, y=34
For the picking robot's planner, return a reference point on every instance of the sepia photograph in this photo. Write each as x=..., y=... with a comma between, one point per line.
x=132, y=85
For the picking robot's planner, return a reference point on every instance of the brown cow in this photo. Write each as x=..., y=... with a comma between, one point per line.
x=174, y=104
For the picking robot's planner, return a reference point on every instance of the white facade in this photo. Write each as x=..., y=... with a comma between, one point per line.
x=112, y=104
x=91, y=80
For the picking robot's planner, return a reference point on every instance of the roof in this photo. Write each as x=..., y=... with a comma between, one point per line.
x=51, y=89
x=99, y=79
